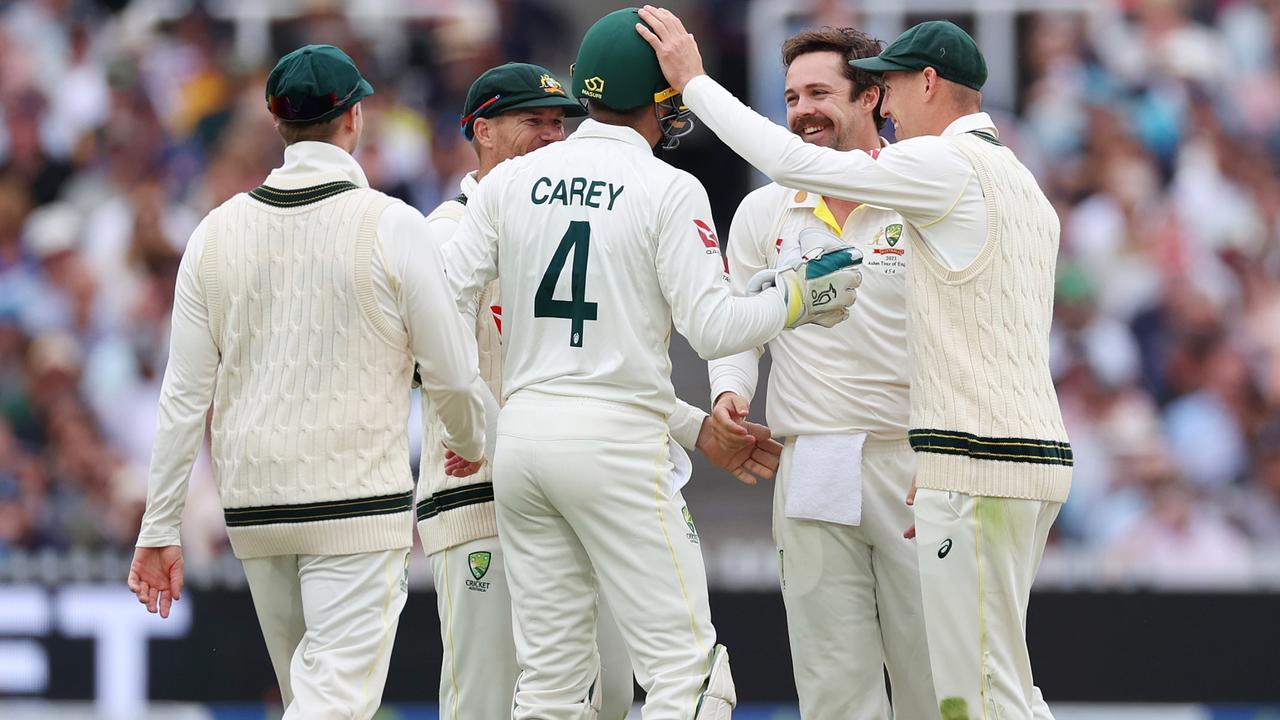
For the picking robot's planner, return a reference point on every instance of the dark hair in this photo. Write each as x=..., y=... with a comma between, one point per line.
x=850, y=44
x=322, y=131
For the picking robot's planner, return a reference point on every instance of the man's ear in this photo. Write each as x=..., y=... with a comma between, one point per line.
x=869, y=99
x=482, y=131
x=932, y=83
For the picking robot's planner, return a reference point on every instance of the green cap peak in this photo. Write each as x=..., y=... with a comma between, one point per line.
x=514, y=86
x=314, y=83
x=938, y=44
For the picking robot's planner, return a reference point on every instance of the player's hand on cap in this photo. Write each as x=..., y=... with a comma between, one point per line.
x=817, y=288
x=457, y=466
x=155, y=577
x=728, y=421
x=675, y=47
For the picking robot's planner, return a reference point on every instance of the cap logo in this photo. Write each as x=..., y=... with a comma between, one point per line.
x=550, y=84
x=942, y=51
x=593, y=87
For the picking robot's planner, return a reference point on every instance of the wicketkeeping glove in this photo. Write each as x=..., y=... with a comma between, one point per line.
x=818, y=288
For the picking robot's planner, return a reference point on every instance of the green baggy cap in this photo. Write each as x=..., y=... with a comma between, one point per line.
x=314, y=83
x=938, y=44
x=616, y=67
x=511, y=87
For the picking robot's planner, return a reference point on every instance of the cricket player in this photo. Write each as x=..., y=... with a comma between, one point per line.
x=511, y=110
x=599, y=247
x=993, y=459
x=850, y=581
x=301, y=309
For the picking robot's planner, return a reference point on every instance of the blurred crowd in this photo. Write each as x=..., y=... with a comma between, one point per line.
x=1153, y=125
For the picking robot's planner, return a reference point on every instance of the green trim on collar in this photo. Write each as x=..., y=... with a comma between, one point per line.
x=302, y=196
x=987, y=136
x=1024, y=450
x=312, y=512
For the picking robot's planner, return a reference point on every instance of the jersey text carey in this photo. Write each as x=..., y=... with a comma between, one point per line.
x=576, y=191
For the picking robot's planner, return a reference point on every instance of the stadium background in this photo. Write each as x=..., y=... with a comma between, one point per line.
x=1153, y=125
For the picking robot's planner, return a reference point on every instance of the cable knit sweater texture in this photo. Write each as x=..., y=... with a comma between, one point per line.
x=985, y=415
x=312, y=389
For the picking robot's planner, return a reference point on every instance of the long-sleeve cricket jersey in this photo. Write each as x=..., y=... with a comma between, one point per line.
x=985, y=418
x=600, y=247
x=853, y=377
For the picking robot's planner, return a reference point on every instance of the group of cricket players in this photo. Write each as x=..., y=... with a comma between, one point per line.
x=915, y=435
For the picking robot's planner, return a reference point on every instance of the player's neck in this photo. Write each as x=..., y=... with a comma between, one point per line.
x=840, y=209
x=487, y=163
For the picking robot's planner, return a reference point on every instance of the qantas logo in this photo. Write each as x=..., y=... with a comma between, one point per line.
x=497, y=316
x=711, y=242
x=707, y=234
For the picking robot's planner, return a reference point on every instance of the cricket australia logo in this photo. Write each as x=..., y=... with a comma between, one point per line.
x=593, y=87
x=893, y=234
x=550, y=85
x=692, y=535
x=478, y=562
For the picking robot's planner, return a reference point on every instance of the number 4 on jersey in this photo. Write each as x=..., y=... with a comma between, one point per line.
x=577, y=239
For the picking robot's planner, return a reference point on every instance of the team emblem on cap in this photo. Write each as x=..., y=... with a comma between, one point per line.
x=550, y=84
x=593, y=87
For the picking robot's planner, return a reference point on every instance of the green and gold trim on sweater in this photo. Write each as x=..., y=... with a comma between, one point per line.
x=1023, y=450
x=311, y=512
x=301, y=196
x=454, y=498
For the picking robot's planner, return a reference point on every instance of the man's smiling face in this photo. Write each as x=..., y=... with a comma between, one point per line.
x=820, y=108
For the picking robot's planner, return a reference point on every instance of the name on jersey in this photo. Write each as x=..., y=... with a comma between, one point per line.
x=575, y=191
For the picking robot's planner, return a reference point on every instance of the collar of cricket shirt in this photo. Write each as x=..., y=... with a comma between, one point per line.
x=969, y=123
x=814, y=201
x=309, y=163
x=595, y=129
x=468, y=185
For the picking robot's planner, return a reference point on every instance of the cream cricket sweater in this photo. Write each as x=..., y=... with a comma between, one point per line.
x=984, y=413
x=303, y=302
x=312, y=389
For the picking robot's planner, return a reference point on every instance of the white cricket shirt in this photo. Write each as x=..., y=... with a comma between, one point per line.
x=600, y=247
x=853, y=377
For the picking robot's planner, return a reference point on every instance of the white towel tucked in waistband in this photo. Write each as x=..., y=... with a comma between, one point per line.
x=825, y=482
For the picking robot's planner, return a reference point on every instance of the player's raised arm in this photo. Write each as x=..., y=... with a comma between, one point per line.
x=905, y=178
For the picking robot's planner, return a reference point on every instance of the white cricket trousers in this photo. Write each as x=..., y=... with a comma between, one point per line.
x=852, y=595
x=585, y=485
x=479, y=670
x=329, y=622
x=978, y=558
